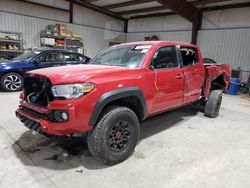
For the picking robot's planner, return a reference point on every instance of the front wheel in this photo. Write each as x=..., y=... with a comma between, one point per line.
x=115, y=135
x=212, y=106
x=12, y=82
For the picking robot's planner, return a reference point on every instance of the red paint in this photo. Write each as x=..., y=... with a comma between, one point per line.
x=169, y=89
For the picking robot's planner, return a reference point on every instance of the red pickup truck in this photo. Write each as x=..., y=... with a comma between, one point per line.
x=121, y=86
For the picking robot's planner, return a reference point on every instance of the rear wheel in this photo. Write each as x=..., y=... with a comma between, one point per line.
x=12, y=82
x=212, y=106
x=115, y=136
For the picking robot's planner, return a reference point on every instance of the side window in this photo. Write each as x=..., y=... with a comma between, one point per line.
x=165, y=57
x=66, y=57
x=72, y=57
x=42, y=58
x=81, y=58
x=50, y=57
x=189, y=56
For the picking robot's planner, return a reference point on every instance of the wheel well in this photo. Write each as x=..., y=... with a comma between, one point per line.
x=218, y=83
x=131, y=102
x=12, y=72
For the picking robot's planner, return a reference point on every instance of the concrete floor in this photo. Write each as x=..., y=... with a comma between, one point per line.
x=181, y=148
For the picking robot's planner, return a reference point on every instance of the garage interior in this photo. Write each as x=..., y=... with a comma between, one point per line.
x=179, y=148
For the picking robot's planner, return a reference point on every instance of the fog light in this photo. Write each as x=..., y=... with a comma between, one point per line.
x=64, y=116
x=60, y=116
x=44, y=128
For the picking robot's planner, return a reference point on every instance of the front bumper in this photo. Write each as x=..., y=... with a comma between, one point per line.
x=30, y=124
x=38, y=118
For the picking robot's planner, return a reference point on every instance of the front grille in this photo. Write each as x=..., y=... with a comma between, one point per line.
x=37, y=90
x=53, y=115
x=48, y=116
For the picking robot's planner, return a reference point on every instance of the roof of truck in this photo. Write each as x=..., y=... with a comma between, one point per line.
x=158, y=42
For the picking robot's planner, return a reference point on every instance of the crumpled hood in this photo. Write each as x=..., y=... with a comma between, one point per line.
x=81, y=73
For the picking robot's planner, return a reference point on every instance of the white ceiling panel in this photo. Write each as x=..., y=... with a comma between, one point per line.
x=226, y=3
x=146, y=13
x=134, y=7
x=108, y=2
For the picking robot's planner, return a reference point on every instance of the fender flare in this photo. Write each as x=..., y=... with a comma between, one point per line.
x=118, y=94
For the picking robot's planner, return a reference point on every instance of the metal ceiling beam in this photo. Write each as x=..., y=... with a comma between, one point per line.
x=197, y=2
x=88, y=1
x=214, y=8
x=187, y=11
x=125, y=4
x=205, y=2
x=238, y=5
x=43, y=5
x=98, y=9
x=183, y=8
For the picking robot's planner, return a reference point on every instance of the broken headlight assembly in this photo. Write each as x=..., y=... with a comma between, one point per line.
x=72, y=91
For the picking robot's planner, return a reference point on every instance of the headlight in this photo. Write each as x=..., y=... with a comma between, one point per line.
x=72, y=91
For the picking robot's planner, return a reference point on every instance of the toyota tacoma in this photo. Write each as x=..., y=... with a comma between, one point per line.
x=121, y=87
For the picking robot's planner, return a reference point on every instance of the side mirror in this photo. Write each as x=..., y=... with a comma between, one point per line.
x=36, y=62
x=151, y=67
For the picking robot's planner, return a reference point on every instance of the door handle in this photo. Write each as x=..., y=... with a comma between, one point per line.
x=179, y=76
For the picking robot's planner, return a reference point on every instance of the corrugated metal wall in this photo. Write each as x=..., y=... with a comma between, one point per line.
x=184, y=36
x=230, y=46
x=226, y=46
x=95, y=39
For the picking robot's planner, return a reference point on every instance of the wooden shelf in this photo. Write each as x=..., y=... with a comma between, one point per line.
x=11, y=41
x=60, y=37
x=62, y=45
x=8, y=39
x=13, y=51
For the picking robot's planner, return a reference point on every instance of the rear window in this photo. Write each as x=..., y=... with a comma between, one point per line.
x=189, y=56
x=72, y=57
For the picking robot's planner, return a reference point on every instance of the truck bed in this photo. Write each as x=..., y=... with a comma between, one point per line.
x=216, y=75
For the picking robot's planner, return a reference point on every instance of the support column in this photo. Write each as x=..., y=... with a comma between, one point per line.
x=71, y=11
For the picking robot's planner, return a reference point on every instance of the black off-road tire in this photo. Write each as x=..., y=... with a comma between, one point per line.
x=100, y=139
x=11, y=82
x=213, y=104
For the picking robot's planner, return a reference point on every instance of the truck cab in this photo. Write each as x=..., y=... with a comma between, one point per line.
x=178, y=74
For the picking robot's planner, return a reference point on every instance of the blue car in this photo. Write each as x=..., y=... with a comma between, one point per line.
x=11, y=72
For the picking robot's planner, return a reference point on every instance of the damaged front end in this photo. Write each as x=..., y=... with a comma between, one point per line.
x=49, y=108
x=37, y=90
x=35, y=99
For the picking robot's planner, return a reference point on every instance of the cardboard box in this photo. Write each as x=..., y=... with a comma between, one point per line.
x=62, y=28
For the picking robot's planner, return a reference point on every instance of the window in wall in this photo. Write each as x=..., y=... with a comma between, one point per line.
x=189, y=56
x=165, y=57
